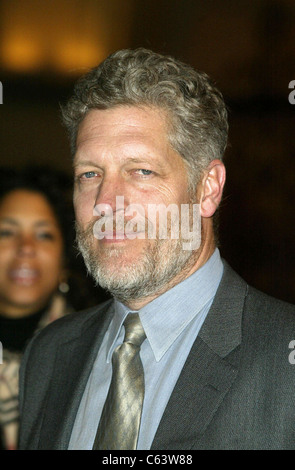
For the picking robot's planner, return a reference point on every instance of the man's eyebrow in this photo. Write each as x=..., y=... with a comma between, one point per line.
x=144, y=159
x=85, y=163
x=141, y=159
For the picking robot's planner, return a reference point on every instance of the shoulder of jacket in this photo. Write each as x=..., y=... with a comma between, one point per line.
x=69, y=326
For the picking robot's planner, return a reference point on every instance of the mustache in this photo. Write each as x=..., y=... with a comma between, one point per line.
x=82, y=231
x=113, y=224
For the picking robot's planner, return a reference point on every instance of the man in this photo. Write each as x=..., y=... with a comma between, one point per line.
x=211, y=369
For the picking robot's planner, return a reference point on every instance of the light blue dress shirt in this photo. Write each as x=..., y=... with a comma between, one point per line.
x=171, y=322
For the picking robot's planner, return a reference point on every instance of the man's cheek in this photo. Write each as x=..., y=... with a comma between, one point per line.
x=83, y=209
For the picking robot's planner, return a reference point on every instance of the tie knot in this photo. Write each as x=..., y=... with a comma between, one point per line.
x=134, y=332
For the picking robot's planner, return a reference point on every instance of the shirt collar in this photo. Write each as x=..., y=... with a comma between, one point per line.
x=168, y=315
x=121, y=312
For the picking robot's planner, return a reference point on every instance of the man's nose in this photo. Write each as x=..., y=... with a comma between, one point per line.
x=111, y=197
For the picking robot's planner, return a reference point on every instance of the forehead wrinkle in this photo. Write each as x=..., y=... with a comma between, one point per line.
x=115, y=136
x=125, y=118
x=130, y=148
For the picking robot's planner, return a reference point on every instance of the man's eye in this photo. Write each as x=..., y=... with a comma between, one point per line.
x=145, y=172
x=89, y=175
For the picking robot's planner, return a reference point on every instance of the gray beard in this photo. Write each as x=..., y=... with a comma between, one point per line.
x=159, y=262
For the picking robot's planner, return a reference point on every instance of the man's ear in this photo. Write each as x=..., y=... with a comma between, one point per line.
x=212, y=188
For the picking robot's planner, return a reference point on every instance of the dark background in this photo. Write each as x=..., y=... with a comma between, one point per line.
x=247, y=46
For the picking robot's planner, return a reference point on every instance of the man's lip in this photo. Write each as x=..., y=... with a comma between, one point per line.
x=119, y=236
x=114, y=235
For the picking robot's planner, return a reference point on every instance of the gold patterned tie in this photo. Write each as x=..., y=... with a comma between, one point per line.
x=120, y=420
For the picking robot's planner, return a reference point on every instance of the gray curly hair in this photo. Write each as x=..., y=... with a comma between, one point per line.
x=197, y=115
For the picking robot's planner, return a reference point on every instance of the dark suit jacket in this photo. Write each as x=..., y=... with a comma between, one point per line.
x=236, y=390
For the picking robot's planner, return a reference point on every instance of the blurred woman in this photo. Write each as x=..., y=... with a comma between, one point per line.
x=36, y=239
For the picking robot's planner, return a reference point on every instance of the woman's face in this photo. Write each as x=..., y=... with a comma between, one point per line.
x=31, y=253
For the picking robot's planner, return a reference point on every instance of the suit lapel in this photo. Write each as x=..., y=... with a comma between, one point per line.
x=74, y=360
x=209, y=372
